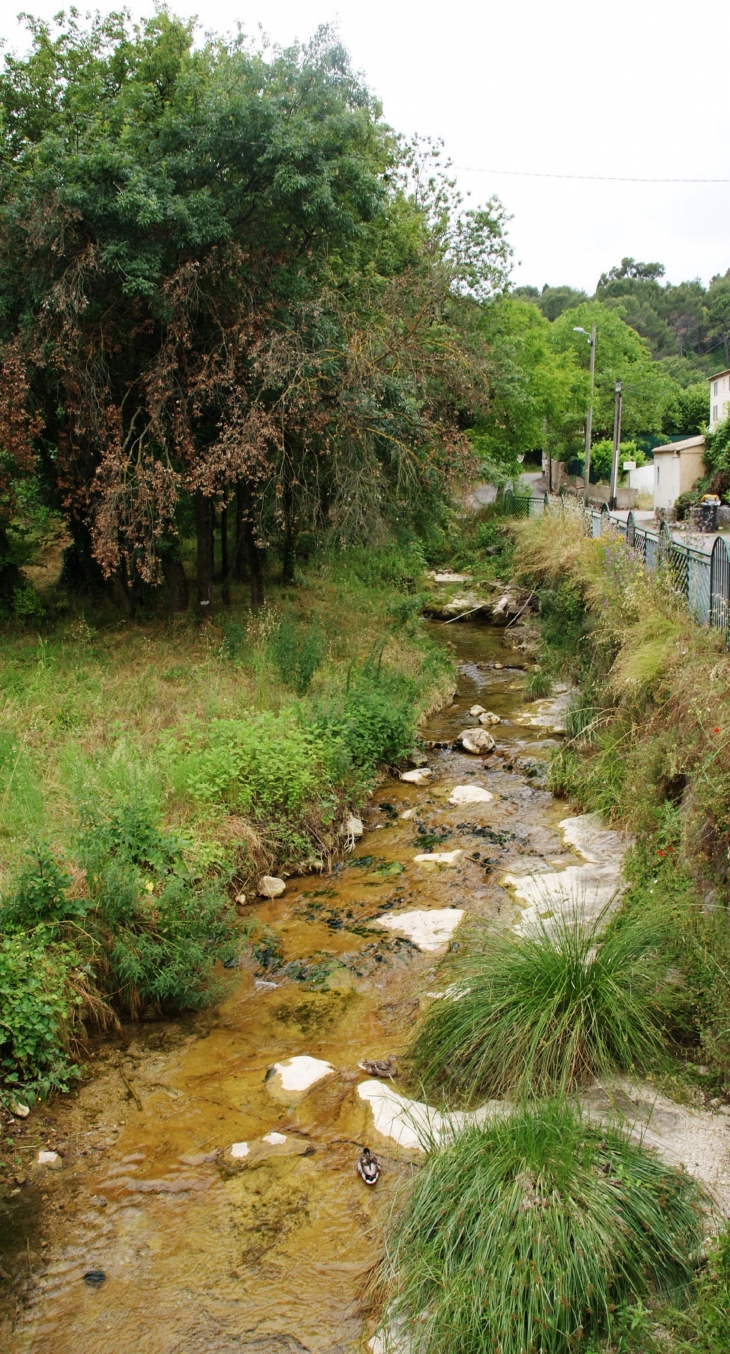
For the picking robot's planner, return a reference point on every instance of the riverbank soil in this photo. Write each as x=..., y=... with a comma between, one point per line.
x=268, y=1248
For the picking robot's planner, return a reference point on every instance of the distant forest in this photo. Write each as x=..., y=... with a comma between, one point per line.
x=686, y=326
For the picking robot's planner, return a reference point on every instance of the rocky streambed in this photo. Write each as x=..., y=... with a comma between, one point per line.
x=202, y=1193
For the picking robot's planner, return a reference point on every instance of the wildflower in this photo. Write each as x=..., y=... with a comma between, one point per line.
x=715, y=730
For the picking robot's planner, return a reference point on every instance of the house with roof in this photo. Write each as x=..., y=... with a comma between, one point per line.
x=719, y=398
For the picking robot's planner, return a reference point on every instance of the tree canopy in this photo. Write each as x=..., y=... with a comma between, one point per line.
x=222, y=275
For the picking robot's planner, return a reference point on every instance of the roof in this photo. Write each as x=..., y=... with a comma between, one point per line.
x=725, y=372
x=687, y=444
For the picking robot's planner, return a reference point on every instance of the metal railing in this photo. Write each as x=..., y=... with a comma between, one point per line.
x=701, y=576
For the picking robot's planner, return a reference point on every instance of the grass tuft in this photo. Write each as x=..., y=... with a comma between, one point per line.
x=523, y=1237
x=547, y=1012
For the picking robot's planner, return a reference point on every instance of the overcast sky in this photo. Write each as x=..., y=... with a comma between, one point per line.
x=632, y=88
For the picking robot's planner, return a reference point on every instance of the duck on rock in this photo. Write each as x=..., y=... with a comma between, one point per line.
x=368, y=1167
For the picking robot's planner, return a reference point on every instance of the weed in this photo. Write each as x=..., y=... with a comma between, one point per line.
x=298, y=652
x=537, y=686
x=528, y=1233
x=547, y=1011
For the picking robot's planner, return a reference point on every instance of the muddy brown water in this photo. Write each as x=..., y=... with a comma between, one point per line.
x=269, y=1253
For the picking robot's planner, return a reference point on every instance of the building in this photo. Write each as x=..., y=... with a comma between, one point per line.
x=719, y=398
x=677, y=467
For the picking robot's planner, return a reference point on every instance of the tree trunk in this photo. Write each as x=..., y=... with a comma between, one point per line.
x=239, y=557
x=225, y=578
x=256, y=566
x=290, y=538
x=204, y=539
x=177, y=584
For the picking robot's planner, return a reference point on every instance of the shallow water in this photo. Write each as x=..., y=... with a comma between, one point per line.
x=268, y=1249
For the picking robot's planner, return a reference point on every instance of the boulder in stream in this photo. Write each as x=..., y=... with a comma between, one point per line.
x=271, y=887
x=489, y=717
x=469, y=794
x=476, y=740
x=420, y=776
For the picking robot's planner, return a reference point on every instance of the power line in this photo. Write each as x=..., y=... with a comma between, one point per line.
x=595, y=178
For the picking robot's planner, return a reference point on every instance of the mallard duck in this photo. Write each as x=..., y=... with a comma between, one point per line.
x=368, y=1167
x=379, y=1067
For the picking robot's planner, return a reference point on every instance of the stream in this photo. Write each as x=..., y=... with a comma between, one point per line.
x=266, y=1247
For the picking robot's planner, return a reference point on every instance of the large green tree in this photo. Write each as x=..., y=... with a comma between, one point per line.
x=216, y=278
x=621, y=355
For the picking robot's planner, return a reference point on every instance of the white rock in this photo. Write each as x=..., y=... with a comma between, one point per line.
x=271, y=887
x=262, y=985
x=428, y=928
x=240, y=1149
x=240, y=899
x=301, y=1072
x=477, y=710
x=352, y=827
x=411, y=1123
x=439, y=857
x=274, y=1138
x=48, y=1159
x=469, y=794
x=409, y=813
x=20, y=1111
x=584, y=890
x=476, y=740
x=448, y=577
x=417, y=777
x=488, y=718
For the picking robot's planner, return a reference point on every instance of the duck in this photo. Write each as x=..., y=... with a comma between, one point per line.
x=368, y=1167
x=379, y=1067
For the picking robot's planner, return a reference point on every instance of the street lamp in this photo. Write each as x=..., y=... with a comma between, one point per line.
x=577, y=329
x=616, y=445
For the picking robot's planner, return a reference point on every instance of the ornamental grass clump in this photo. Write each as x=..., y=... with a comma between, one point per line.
x=524, y=1236
x=548, y=1011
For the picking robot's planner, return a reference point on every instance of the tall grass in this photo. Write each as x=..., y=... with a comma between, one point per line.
x=523, y=1236
x=547, y=1012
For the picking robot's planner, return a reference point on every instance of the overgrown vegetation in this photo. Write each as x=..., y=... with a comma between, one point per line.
x=530, y=1234
x=170, y=768
x=549, y=1011
x=649, y=728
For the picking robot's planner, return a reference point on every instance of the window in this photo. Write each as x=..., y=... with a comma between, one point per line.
x=715, y=388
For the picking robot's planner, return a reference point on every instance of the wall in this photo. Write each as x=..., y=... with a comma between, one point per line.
x=719, y=399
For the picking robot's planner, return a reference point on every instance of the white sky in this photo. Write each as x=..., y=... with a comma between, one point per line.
x=606, y=87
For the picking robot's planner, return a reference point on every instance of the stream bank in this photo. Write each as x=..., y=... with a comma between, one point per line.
x=217, y=1192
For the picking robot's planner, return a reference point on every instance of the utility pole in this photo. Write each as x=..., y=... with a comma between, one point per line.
x=616, y=446
x=578, y=329
x=589, y=419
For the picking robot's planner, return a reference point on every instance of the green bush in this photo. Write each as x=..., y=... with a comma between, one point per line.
x=374, y=718
x=548, y=1011
x=37, y=1010
x=523, y=1236
x=262, y=764
x=297, y=652
x=40, y=894
x=160, y=926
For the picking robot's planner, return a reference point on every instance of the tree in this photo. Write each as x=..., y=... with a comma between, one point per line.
x=214, y=281
x=621, y=355
x=535, y=387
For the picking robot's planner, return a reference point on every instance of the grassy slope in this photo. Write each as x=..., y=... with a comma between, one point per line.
x=647, y=748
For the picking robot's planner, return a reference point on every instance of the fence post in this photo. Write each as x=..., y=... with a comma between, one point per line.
x=630, y=529
x=509, y=501
x=719, y=585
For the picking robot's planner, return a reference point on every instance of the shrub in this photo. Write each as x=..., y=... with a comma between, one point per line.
x=263, y=764
x=37, y=1011
x=548, y=1011
x=160, y=925
x=374, y=718
x=40, y=893
x=297, y=652
x=522, y=1236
